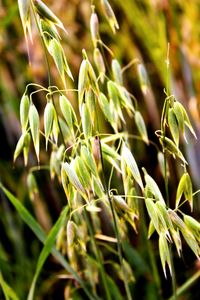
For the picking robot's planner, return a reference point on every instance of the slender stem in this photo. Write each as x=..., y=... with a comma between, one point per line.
x=43, y=44
x=98, y=256
x=182, y=289
x=119, y=248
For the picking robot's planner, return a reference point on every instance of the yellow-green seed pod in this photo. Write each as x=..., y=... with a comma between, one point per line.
x=70, y=233
x=99, y=62
x=191, y=223
x=164, y=254
x=173, y=125
x=56, y=129
x=187, y=122
x=152, y=186
x=27, y=141
x=67, y=111
x=151, y=229
x=49, y=31
x=94, y=27
x=177, y=240
x=176, y=220
x=110, y=16
x=143, y=78
x=34, y=122
x=117, y=72
x=185, y=186
x=90, y=99
x=139, y=121
x=72, y=176
x=120, y=204
x=46, y=13
x=19, y=146
x=86, y=121
x=177, y=108
x=83, y=80
x=132, y=165
x=105, y=107
x=88, y=159
x=60, y=240
x=49, y=114
x=24, y=110
x=110, y=151
x=97, y=187
x=82, y=172
x=96, y=149
x=32, y=185
x=164, y=213
x=171, y=147
x=153, y=213
x=161, y=162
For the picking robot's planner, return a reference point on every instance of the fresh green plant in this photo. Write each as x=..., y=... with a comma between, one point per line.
x=92, y=157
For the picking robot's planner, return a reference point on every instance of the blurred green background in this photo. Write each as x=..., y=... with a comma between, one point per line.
x=146, y=28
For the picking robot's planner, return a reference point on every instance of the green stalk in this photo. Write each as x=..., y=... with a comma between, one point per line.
x=98, y=256
x=119, y=248
x=182, y=289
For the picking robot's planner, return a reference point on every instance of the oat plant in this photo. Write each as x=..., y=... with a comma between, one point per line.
x=109, y=194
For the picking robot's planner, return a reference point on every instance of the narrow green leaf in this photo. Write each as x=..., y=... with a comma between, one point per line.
x=34, y=122
x=8, y=292
x=48, y=246
x=132, y=165
x=38, y=231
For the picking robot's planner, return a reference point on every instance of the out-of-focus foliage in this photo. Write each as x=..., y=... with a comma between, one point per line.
x=147, y=30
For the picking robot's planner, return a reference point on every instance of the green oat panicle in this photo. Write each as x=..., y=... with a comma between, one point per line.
x=110, y=16
x=34, y=121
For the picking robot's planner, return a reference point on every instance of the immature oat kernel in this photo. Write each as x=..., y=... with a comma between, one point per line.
x=94, y=28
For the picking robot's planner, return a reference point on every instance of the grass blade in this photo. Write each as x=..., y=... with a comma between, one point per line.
x=48, y=245
x=38, y=231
